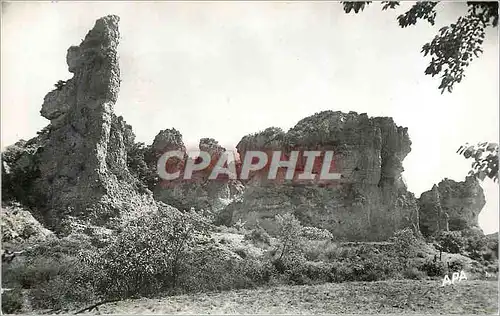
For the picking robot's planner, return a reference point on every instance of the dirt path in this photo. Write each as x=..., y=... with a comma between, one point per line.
x=388, y=297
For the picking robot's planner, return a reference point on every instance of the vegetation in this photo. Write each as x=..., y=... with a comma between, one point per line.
x=485, y=156
x=166, y=252
x=138, y=157
x=452, y=241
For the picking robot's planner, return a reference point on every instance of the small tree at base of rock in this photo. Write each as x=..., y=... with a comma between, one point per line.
x=406, y=245
x=289, y=235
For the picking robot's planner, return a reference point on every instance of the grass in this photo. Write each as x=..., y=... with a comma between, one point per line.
x=388, y=297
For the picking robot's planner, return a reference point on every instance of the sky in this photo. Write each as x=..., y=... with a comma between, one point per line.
x=227, y=69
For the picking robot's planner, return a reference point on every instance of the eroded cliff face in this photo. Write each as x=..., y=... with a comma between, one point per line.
x=451, y=205
x=79, y=162
x=369, y=202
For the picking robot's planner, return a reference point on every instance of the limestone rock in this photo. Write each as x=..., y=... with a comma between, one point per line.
x=166, y=140
x=451, y=205
x=198, y=192
x=80, y=164
x=369, y=202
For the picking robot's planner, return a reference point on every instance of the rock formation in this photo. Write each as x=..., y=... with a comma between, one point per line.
x=76, y=170
x=79, y=162
x=199, y=192
x=370, y=201
x=451, y=205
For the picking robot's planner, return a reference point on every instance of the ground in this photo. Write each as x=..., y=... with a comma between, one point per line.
x=387, y=297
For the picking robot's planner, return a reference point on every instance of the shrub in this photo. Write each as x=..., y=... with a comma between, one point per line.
x=211, y=268
x=67, y=290
x=413, y=273
x=475, y=243
x=342, y=272
x=12, y=301
x=452, y=241
x=258, y=235
x=406, y=245
x=456, y=265
x=145, y=257
x=373, y=270
x=309, y=273
x=492, y=244
x=314, y=233
x=314, y=250
x=54, y=274
x=433, y=268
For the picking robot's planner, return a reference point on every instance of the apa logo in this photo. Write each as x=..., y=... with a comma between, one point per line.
x=455, y=277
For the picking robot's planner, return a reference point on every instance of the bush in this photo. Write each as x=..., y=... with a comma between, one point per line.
x=342, y=272
x=258, y=236
x=456, y=265
x=314, y=233
x=413, y=273
x=211, y=268
x=452, y=241
x=12, y=301
x=145, y=257
x=67, y=290
x=315, y=250
x=54, y=274
x=433, y=268
x=406, y=245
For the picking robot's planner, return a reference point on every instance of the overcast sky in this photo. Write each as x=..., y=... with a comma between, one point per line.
x=224, y=70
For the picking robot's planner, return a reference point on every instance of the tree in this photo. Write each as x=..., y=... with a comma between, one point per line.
x=289, y=234
x=406, y=245
x=455, y=46
x=452, y=241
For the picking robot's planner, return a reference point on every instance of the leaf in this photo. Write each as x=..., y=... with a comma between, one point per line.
x=492, y=147
x=481, y=175
x=469, y=152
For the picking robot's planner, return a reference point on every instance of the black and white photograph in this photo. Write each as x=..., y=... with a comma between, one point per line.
x=249, y=157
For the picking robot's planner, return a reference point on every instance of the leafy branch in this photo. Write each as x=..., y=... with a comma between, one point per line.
x=455, y=46
x=485, y=157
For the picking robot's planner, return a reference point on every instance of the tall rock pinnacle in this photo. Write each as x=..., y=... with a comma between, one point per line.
x=81, y=160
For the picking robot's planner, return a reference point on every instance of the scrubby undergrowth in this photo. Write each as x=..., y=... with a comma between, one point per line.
x=167, y=252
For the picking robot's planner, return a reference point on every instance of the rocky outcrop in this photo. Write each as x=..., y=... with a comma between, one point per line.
x=198, y=192
x=451, y=205
x=369, y=202
x=79, y=163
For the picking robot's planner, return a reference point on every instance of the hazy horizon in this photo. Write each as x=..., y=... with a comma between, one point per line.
x=227, y=69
